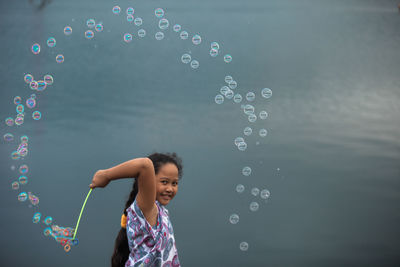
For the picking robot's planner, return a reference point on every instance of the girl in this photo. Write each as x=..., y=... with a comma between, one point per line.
x=146, y=237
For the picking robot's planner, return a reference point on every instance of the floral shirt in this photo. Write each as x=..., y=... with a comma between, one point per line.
x=150, y=246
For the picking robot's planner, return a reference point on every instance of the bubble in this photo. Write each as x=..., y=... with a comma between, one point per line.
x=224, y=90
x=30, y=103
x=33, y=85
x=75, y=242
x=23, y=179
x=141, y=33
x=15, y=155
x=228, y=58
x=99, y=27
x=263, y=115
x=19, y=120
x=36, y=217
x=177, y=28
x=67, y=30
x=33, y=199
x=213, y=52
x=24, y=139
x=246, y=171
x=36, y=115
x=248, y=109
x=22, y=197
x=8, y=137
x=35, y=49
x=250, y=96
x=48, y=79
x=186, y=58
x=242, y=146
x=15, y=185
x=219, y=99
x=266, y=93
x=163, y=24
x=247, y=131
x=240, y=188
x=41, y=85
x=48, y=220
x=238, y=140
x=60, y=58
x=130, y=18
x=28, y=78
x=159, y=12
x=233, y=84
x=196, y=39
x=263, y=132
x=254, y=206
x=237, y=98
x=47, y=231
x=67, y=248
x=128, y=37
x=265, y=194
x=228, y=79
x=116, y=10
x=138, y=21
x=215, y=45
x=90, y=23
x=89, y=34
x=234, y=219
x=23, y=169
x=244, y=246
x=252, y=118
x=255, y=191
x=51, y=42
x=159, y=36
x=184, y=35
x=194, y=64
x=229, y=94
x=130, y=11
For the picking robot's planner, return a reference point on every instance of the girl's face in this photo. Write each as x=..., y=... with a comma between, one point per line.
x=167, y=183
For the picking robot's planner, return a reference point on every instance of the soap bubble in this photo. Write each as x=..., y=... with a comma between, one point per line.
x=252, y=118
x=36, y=115
x=255, y=191
x=219, y=99
x=67, y=30
x=159, y=36
x=238, y=140
x=48, y=79
x=232, y=84
x=228, y=58
x=159, y=12
x=237, y=98
x=244, y=246
x=138, y=21
x=8, y=137
x=177, y=28
x=224, y=89
x=89, y=34
x=247, y=131
x=36, y=217
x=240, y=188
x=15, y=185
x=33, y=85
x=228, y=79
x=47, y=231
x=163, y=24
x=35, y=49
x=250, y=96
x=15, y=155
x=99, y=27
x=23, y=179
x=48, y=220
x=186, y=58
x=22, y=197
x=266, y=93
x=265, y=194
x=130, y=11
x=24, y=139
x=128, y=37
x=60, y=58
x=28, y=78
x=263, y=132
x=215, y=45
x=129, y=18
x=242, y=146
x=90, y=23
x=246, y=171
x=248, y=109
x=41, y=85
x=19, y=120
x=33, y=199
x=184, y=35
x=263, y=115
x=213, y=52
x=254, y=206
x=31, y=103
x=194, y=64
x=51, y=42
x=234, y=219
x=141, y=33
x=229, y=94
x=196, y=39
x=116, y=10
x=67, y=247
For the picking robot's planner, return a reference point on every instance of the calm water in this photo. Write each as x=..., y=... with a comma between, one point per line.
x=330, y=159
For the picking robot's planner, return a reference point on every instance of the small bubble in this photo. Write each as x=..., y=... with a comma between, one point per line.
x=159, y=36
x=228, y=79
x=250, y=96
x=30, y=102
x=263, y=115
x=48, y=79
x=248, y=109
x=234, y=219
x=186, y=58
x=48, y=220
x=130, y=11
x=59, y=59
x=184, y=35
x=141, y=33
x=254, y=206
x=215, y=45
x=159, y=12
x=265, y=194
x=252, y=118
x=240, y=188
x=213, y=52
x=89, y=34
x=219, y=99
x=99, y=27
x=228, y=58
x=194, y=64
x=8, y=137
x=255, y=191
x=246, y=171
x=28, y=78
x=266, y=93
x=242, y=146
x=36, y=115
x=90, y=23
x=224, y=89
x=128, y=37
x=51, y=42
x=232, y=84
x=196, y=40
x=15, y=185
x=177, y=28
x=23, y=179
x=22, y=197
x=163, y=24
x=244, y=246
x=138, y=21
x=237, y=98
x=229, y=94
x=116, y=10
x=263, y=132
x=238, y=140
x=36, y=217
x=67, y=30
x=35, y=49
x=247, y=131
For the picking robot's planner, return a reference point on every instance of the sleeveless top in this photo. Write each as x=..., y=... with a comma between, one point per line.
x=150, y=245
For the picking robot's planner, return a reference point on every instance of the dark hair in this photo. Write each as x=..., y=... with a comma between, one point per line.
x=121, y=248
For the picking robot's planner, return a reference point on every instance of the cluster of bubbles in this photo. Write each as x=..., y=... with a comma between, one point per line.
x=22, y=149
x=20, y=108
x=22, y=179
x=138, y=21
x=93, y=26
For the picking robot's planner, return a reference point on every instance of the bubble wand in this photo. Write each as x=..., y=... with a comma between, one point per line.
x=79, y=219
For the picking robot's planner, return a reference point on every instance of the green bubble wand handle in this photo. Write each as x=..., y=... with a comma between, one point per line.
x=79, y=219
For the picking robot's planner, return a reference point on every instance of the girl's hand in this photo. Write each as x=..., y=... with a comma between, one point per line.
x=100, y=179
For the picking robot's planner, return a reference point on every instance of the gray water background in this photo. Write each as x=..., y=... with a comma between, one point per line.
x=333, y=129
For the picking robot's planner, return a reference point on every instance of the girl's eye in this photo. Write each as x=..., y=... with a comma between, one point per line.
x=164, y=182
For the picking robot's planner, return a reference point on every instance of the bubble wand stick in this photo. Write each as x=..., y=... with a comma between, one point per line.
x=79, y=219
